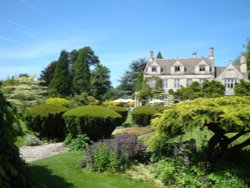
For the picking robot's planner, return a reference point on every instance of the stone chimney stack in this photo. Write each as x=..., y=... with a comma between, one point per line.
x=194, y=55
x=151, y=55
x=243, y=64
x=211, y=53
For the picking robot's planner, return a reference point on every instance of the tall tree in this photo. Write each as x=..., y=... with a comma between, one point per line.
x=159, y=56
x=129, y=81
x=81, y=72
x=47, y=74
x=247, y=54
x=60, y=84
x=100, y=81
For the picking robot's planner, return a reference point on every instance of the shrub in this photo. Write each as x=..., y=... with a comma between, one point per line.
x=115, y=154
x=142, y=115
x=58, y=101
x=96, y=122
x=79, y=143
x=47, y=120
x=13, y=170
x=120, y=110
x=159, y=108
x=32, y=140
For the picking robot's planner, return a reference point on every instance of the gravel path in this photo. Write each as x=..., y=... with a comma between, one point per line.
x=32, y=153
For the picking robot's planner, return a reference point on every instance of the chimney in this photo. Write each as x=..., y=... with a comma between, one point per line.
x=194, y=55
x=211, y=52
x=151, y=55
x=243, y=64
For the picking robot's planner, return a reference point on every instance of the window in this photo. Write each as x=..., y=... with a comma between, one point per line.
x=165, y=83
x=189, y=81
x=176, y=83
x=202, y=80
x=152, y=83
x=229, y=83
x=202, y=68
x=177, y=69
x=161, y=69
x=153, y=69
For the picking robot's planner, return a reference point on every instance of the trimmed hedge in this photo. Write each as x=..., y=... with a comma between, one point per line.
x=96, y=122
x=13, y=170
x=142, y=115
x=120, y=110
x=46, y=119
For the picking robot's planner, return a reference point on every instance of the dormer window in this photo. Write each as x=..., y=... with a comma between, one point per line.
x=202, y=68
x=177, y=69
x=161, y=69
x=153, y=69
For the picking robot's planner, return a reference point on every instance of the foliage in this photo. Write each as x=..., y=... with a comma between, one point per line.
x=58, y=101
x=80, y=99
x=157, y=91
x=60, y=171
x=247, y=54
x=13, y=171
x=159, y=56
x=115, y=154
x=47, y=74
x=46, y=119
x=81, y=72
x=220, y=115
x=133, y=130
x=120, y=110
x=128, y=81
x=207, y=89
x=142, y=115
x=159, y=108
x=100, y=81
x=60, y=84
x=23, y=92
x=96, y=122
x=32, y=140
x=242, y=88
x=79, y=143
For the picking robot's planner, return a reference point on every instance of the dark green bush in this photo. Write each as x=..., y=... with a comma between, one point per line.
x=120, y=110
x=142, y=115
x=115, y=154
x=13, y=170
x=96, y=122
x=47, y=120
x=160, y=108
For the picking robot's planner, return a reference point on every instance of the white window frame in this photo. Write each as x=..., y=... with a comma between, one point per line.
x=176, y=83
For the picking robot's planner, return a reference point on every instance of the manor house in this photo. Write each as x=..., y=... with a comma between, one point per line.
x=183, y=71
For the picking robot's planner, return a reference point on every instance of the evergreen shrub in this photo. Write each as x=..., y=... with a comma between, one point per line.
x=142, y=115
x=59, y=101
x=96, y=122
x=120, y=110
x=13, y=170
x=46, y=119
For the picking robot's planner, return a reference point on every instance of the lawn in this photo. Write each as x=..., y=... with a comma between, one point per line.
x=61, y=171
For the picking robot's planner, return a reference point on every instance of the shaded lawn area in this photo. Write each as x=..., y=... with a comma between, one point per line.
x=61, y=171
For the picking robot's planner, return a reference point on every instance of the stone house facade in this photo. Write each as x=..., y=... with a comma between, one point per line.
x=178, y=72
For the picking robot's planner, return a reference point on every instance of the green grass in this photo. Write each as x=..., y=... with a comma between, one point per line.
x=61, y=171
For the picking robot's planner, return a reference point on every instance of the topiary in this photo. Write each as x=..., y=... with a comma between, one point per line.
x=120, y=110
x=96, y=122
x=142, y=115
x=58, y=101
x=13, y=170
x=46, y=119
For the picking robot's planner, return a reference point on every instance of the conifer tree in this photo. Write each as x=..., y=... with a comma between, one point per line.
x=47, y=74
x=81, y=79
x=159, y=56
x=60, y=84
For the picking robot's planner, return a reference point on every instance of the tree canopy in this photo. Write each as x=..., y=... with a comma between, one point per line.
x=159, y=56
x=242, y=88
x=219, y=115
x=47, y=74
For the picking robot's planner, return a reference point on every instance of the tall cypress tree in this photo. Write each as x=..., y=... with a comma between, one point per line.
x=81, y=72
x=60, y=84
x=100, y=81
x=159, y=56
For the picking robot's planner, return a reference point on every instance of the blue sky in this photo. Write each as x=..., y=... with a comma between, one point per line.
x=33, y=32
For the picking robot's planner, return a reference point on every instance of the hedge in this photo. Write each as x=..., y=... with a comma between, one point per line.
x=142, y=115
x=13, y=170
x=96, y=122
x=120, y=110
x=46, y=119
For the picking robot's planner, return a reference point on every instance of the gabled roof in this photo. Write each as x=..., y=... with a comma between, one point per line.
x=188, y=63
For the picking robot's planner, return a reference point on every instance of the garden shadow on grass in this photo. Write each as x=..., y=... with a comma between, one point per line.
x=42, y=177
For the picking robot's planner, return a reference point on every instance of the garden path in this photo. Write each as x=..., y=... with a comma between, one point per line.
x=32, y=153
